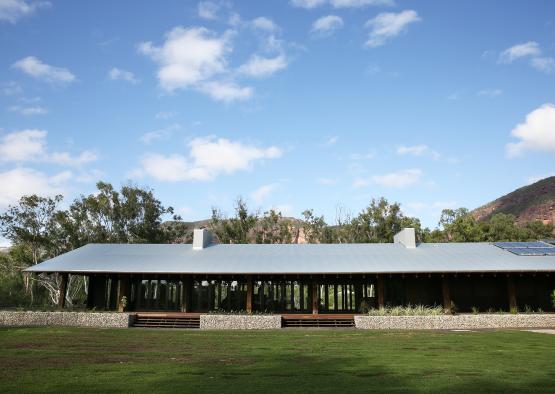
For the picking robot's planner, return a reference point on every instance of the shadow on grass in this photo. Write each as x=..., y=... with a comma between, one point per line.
x=303, y=373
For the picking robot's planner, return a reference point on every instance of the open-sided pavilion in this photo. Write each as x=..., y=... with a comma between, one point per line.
x=308, y=278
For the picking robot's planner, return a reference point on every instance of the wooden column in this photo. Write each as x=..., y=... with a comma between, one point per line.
x=123, y=291
x=63, y=291
x=358, y=296
x=186, y=295
x=90, y=292
x=314, y=298
x=380, y=292
x=249, y=294
x=446, y=295
x=511, y=292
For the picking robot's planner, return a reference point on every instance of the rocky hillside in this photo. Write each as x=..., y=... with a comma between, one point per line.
x=529, y=203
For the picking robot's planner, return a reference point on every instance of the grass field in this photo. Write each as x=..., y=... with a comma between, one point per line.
x=136, y=360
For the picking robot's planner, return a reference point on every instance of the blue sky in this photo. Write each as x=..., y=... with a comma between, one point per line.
x=290, y=104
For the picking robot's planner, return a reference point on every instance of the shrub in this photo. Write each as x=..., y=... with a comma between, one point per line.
x=528, y=309
x=475, y=310
x=239, y=312
x=409, y=310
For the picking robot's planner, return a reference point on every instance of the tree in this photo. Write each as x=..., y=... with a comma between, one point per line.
x=380, y=221
x=39, y=230
x=459, y=226
x=273, y=228
x=235, y=230
x=33, y=228
x=502, y=227
x=132, y=215
x=314, y=228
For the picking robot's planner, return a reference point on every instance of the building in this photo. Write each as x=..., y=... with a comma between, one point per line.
x=310, y=278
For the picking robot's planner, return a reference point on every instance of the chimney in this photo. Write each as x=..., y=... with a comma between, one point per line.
x=405, y=237
x=202, y=238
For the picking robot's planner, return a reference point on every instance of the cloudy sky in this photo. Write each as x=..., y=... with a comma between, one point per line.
x=290, y=104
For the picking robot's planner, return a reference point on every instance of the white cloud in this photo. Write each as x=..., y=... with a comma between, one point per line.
x=30, y=145
x=195, y=58
x=399, y=179
x=259, y=67
x=490, y=92
x=226, y=91
x=11, y=88
x=388, y=25
x=160, y=134
x=37, y=69
x=208, y=157
x=360, y=3
x=327, y=25
x=28, y=111
x=25, y=145
x=13, y=10
x=122, y=75
x=263, y=192
x=263, y=23
x=64, y=158
x=208, y=10
x=536, y=133
x=308, y=4
x=188, y=56
x=418, y=150
x=19, y=182
x=530, y=48
x=545, y=64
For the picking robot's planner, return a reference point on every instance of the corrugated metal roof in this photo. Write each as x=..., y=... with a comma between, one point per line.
x=293, y=259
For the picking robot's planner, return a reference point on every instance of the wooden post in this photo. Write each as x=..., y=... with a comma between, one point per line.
x=63, y=291
x=90, y=292
x=315, y=298
x=123, y=291
x=358, y=297
x=381, y=292
x=446, y=295
x=185, y=295
x=511, y=290
x=249, y=294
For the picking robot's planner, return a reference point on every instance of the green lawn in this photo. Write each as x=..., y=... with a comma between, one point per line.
x=138, y=360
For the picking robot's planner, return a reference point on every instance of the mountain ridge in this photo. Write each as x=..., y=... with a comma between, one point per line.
x=534, y=202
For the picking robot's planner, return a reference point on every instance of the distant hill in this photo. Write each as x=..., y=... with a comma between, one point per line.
x=527, y=204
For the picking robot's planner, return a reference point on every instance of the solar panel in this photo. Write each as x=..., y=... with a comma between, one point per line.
x=543, y=251
x=536, y=244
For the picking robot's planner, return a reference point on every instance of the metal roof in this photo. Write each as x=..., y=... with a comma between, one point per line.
x=293, y=259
